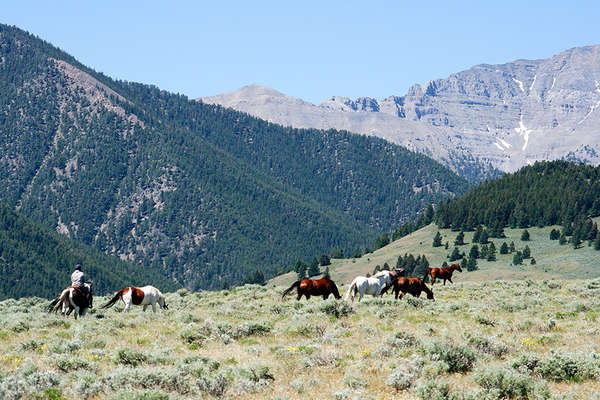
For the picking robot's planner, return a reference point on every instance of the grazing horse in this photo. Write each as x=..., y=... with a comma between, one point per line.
x=441, y=273
x=72, y=299
x=372, y=285
x=413, y=286
x=394, y=274
x=144, y=296
x=314, y=287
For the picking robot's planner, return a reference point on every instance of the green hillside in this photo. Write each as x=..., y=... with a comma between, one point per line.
x=37, y=262
x=553, y=261
x=204, y=194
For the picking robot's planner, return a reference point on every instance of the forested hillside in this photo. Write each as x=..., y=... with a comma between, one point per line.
x=37, y=262
x=546, y=193
x=202, y=193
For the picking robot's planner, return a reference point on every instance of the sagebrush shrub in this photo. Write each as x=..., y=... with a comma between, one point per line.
x=459, y=358
x=505, y=384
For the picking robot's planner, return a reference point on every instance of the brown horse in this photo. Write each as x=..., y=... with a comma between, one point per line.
x=394, y=274
x=441, y=273
x=413, y=286
x=72, y=299
x=314, y=287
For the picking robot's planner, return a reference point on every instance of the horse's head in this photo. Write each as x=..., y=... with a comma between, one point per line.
x=456, y=267
x=164, y=304
x=430, y=295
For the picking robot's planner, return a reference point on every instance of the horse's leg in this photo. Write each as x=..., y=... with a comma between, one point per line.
x=127, y=305
x=450, y=279
x=76, y=311
x=444, y=281
x=402, y=295
x=144, y=308
x=396, y=291
x=154, y=307
x=299, y=296
x=432, y=279
x=307, y=296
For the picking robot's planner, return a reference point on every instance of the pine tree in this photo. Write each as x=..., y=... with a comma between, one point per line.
x=525, y=235
x=472, y=264
x=474, y=252
x=511, y=247
x=446, y=246
x=357, y=254
x=532, y=262
x=554, y=234
x=504, y=248
x=483, y=239
x=455, y=255
x=326, y=273
x=484, y=252
x=491, y=255
x=300, y=269
x=384, y=240
x=376, y=269
x=464, y=263
x=518, y=258
x=597, y=243
x=526, y=252
x=437, y=240
x=314, y=268
x=477, y=234
x=460, y=239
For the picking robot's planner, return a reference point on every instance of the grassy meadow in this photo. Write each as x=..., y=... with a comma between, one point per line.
x=477, y=340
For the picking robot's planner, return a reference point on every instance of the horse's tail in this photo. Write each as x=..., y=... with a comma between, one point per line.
x=351, y=292
x=116, y=298
x=53, y=306
x=295, y=284
x=57, y=302
x=427, y=272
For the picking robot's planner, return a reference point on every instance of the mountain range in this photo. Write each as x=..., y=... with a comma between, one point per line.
x=204, y=194
x=480, y=121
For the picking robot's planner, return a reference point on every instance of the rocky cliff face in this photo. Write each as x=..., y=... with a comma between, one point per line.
x=503, y=116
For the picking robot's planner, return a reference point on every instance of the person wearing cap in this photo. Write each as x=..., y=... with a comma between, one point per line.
x=78, y=281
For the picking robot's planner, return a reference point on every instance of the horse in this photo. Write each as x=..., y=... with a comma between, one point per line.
x=72, y=299
x=144, y=296
x=372, y=285
x=314, y=287
x=413, y=286
x=394, y=274
x=442, y=273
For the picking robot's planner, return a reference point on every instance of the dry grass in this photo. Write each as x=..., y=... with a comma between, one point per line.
x=247, y=343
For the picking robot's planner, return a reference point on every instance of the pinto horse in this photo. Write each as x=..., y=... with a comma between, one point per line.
x=72, y=299
x=372, y=285
x=441, y=273
x=314, y=287
x=144, y=296
x=413, y=286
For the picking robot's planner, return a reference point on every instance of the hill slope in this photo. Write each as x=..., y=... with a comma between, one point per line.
x=504, y=116
x=553, y=261
x=37, y=262
x=202, y=193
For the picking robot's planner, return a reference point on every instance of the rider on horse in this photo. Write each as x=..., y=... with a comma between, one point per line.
x=78, y=281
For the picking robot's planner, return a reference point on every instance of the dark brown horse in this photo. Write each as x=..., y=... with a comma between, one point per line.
x=413, y=286
x=314, y=287
x=394, y=274
x=441, y=273
x=72, y=299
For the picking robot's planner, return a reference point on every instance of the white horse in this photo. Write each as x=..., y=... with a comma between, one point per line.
x=72, y=299
x=144, y=296
x=372, y=285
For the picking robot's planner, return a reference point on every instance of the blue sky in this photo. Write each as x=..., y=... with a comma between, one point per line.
x=308, y=49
